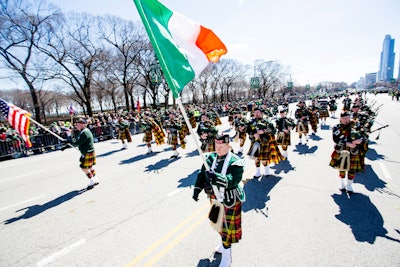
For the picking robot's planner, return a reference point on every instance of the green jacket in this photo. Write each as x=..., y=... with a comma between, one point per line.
x=233, y=175
x=84, y=141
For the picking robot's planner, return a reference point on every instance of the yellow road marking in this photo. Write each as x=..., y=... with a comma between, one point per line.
x=161, y=240
x=174, y=242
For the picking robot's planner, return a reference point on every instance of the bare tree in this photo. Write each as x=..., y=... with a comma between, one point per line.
x=22, y=26
x=77, y=50
x=128, y=40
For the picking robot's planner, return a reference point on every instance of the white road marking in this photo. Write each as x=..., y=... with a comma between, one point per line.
x=20, y=176
x=174, y=192
x=61, y=253
x=384, y=170
x=19, y=203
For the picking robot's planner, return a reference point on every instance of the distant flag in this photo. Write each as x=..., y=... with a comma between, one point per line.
x=183, y=47
x=18, y=119
x=71, y=109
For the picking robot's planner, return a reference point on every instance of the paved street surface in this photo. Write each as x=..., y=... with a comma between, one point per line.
x=142, y=213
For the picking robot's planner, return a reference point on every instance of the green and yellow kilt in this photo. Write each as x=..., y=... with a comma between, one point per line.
x=172, y=139
x=356, y=161
x=122, y=135
x=193, y=122
x=87, y=160
x=232, y=231
x=218, y=121
x=323, y=113
x=269, y=151
x=147, y=137
x=283, y=139
x=302, y=128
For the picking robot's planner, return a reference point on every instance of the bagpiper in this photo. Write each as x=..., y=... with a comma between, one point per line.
x=172, y=126
x=123, y=132
x=302, y=116
x=346, y=157
x=207, y=132
x=149, y=127
x=284, y=125
x=313, y=111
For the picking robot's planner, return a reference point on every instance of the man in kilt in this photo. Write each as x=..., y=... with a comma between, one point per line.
x=302, y=116
x=85, y=144
x=207, y=132
x=313, y=110
x=172, y=127
x=284, y=125
x=346, y=156
x=226, y=171
x=123, y=132
x=150, y=126
x=240, y=127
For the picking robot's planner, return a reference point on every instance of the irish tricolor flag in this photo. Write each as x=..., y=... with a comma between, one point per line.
x=183, y=47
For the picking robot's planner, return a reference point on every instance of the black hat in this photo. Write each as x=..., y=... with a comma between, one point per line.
x=222, y=139
x=355, y=106
x=344, y=114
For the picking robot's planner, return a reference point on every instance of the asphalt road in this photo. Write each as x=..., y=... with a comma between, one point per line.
x=142, y=213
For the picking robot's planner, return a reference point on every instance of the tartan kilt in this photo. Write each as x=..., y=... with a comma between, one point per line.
x=242, y=135
x=208, y=147
x=122, y=135
x=230, y=118
x=305, y=130
x=283, y=141
x=314, y=119
x=356, y=161
x=269, y=152
x=324, y=113
x=232, y=231
x=87, y=160
x=332, y=107
x=193, y=122
x=147, y=137
x=218, y=121
x=172, y=139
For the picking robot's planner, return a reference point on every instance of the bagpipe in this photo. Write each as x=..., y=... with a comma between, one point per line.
x=379, y=129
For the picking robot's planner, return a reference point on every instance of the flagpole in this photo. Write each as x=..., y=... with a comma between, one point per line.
x=181, y=107
x=44, y=128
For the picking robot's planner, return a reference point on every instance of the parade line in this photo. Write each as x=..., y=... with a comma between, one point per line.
x=174, y=242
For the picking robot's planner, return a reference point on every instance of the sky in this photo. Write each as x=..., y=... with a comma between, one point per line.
x=317, y=40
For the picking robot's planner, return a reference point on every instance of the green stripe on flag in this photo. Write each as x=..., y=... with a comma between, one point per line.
x=173, y=61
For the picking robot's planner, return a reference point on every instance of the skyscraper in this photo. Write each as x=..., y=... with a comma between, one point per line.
x=386, y=68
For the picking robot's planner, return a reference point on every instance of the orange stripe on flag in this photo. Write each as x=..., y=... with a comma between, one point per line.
x=210, y=44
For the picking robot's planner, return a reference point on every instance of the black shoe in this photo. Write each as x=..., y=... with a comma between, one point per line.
x=89, y=187
x=96, y=183
x=256, y=177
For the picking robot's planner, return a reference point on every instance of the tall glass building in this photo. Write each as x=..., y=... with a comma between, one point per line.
x=386, y=68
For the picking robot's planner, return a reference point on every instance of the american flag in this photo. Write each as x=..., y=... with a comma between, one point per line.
x=18, y=119
x=71, y=109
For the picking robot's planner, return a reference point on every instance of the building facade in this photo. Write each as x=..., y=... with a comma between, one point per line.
x=386, y=68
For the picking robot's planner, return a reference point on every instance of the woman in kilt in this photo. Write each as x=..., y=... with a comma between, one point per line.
x=226, y=171
x=85, y=144
x=346, y=157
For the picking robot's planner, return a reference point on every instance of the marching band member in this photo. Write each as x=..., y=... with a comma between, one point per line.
x=123, y=132
x=150, y=126
x=284, y=125
x=332, y=106
x=207, y=132
x=346, y=157
x=313, y=116
x=302, y=116
x=323, y=111
x=85, y=144
x=222, y=186
x=264, y=147
x=240, y=126
x=172, y=126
